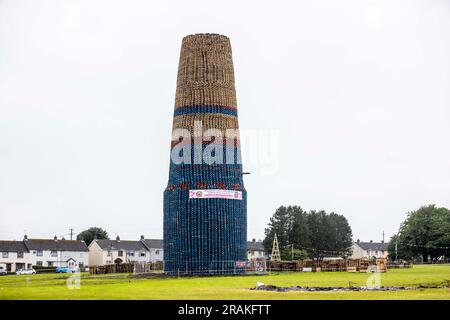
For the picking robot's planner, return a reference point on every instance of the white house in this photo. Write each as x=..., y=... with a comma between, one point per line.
x=255, y=250
x=43, y=252
x=57, y=253
x=103, y=252
x=156, y=248
x=369, y=249
x=14, y=255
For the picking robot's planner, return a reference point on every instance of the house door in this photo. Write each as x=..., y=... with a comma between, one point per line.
x=20, y=266
x=8, y=267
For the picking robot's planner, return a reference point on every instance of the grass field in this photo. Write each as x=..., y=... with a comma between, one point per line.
x=53, y=286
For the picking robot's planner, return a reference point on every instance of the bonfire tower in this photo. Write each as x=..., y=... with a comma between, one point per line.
x=205, y=211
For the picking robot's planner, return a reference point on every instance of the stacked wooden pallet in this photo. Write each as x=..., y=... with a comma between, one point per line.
x=350, y=265
x=112, y=268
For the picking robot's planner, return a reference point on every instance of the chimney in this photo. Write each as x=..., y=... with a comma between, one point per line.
x=358, y=241
x=55, y=238
x=142, y=237
x=118, y=238
x=371, y=241
x=253, y=240
x=25, y=238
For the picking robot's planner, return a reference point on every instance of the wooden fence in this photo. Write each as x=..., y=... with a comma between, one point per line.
x=148, y=267
x=350, y=265
x=137, y=267
x=112, y=268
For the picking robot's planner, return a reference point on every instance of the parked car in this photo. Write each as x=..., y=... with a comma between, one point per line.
x=64, y=270
x=3, y=271
x=26, y=271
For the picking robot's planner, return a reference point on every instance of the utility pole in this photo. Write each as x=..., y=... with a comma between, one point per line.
x=292, y=252
x=396, y=247
x=383, y=236
x=71, y=233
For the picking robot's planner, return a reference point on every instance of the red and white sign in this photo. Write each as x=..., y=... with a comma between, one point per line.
x=241, y=264
x=215, y=193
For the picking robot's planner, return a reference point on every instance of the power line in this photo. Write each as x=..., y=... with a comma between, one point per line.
x=427, y=246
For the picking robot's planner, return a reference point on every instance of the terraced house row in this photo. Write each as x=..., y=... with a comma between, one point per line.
x=28, y=253
x=54, y=252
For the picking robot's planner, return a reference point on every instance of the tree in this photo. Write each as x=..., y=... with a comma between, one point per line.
x=280, y=223
x=425, y=233
x=316, y=233
x=91, y=234
x=289, y=223
x=294, y=254
x=397, y=250
x=341, y=234
x=299, y=233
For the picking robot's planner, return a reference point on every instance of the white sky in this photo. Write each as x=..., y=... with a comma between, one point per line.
x=357, y=91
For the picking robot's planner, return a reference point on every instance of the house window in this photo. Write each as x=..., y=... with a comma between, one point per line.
x=5, y=255
x=142, y=254
x=120, y=253
x=39, y=263
x=157, y=252
x=131, y=254
x=19, y=255
x=376, y=252
x=53, y=253
x=50, y=263
x=39, y=253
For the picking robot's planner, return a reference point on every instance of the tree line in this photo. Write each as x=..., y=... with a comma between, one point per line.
x=313, y=234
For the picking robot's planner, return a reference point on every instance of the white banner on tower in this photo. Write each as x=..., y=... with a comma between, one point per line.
x=215, y=193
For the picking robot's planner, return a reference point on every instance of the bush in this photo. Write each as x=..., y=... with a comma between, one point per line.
x=43, y=269
x=297, y=254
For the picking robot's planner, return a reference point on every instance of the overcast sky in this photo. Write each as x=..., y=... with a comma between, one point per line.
x=356, y=95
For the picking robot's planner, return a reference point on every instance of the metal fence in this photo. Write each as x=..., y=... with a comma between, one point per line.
x=214, y=268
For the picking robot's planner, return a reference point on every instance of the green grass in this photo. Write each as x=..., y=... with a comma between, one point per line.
x=53, y=286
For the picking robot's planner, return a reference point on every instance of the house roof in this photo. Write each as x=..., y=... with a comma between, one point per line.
x=255, y=246
x=57, y=245
x=154, y=243
x=373, y=246
x=12, y=246
x=126, y=245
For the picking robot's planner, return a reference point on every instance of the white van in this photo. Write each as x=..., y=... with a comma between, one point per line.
x=3, y=271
